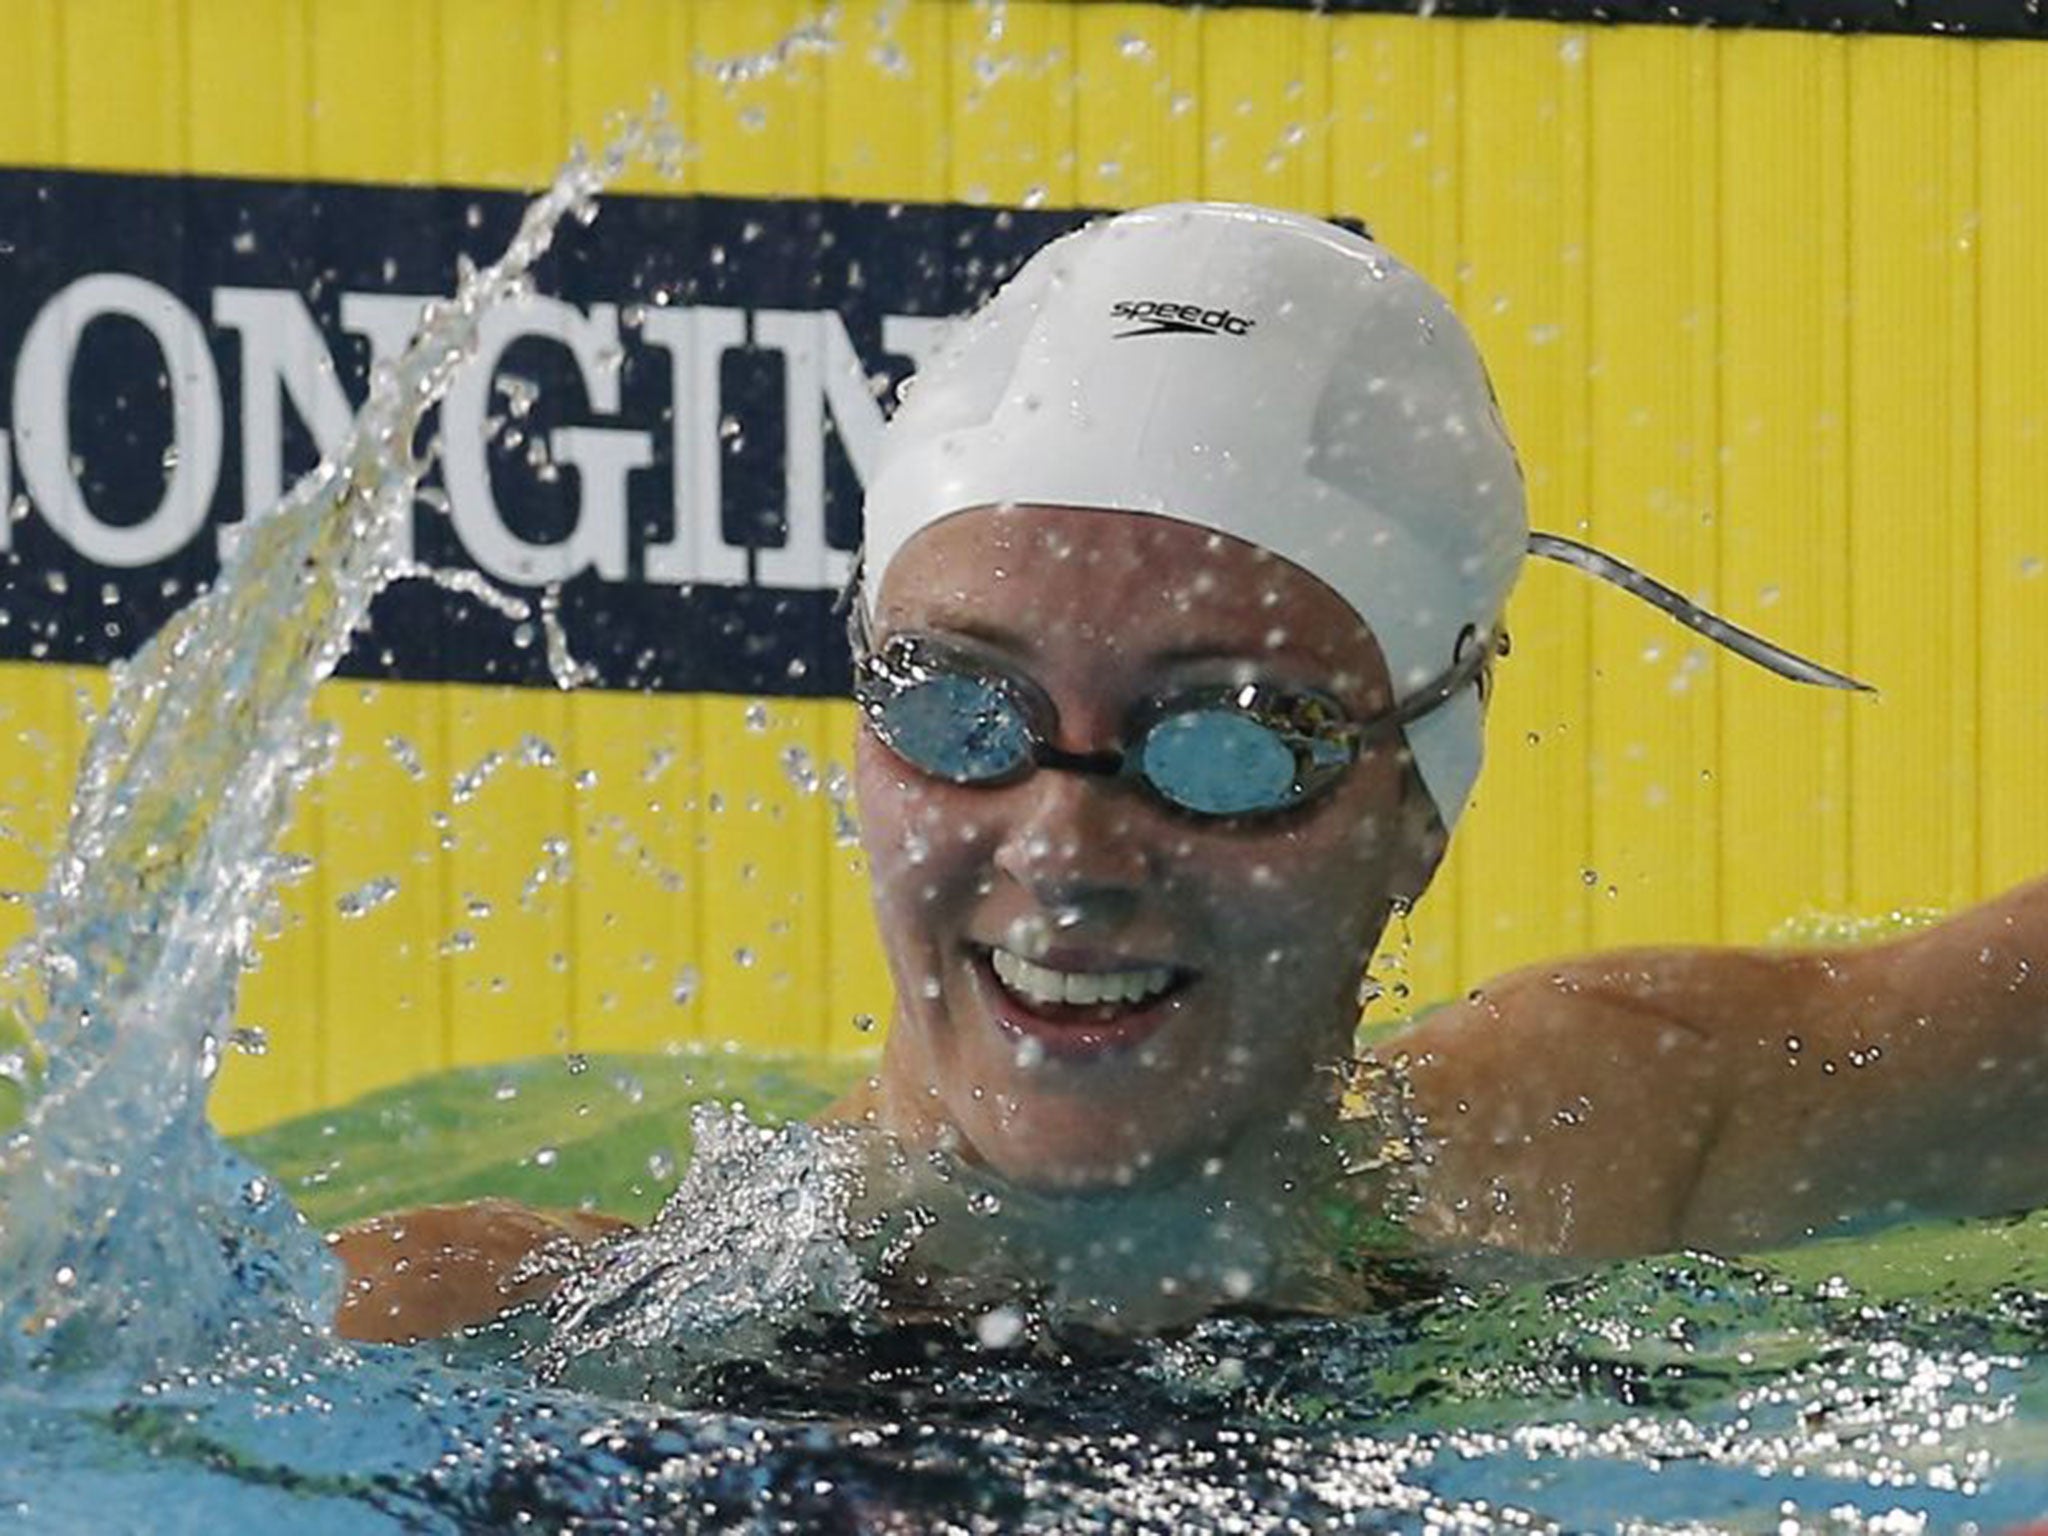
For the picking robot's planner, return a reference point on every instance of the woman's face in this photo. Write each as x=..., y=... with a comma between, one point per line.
x=1094, y=989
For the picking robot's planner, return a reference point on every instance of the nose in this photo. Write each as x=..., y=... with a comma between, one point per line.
x=1077, y=842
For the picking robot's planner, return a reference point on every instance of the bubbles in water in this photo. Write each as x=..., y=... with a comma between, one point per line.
x=760, y=1233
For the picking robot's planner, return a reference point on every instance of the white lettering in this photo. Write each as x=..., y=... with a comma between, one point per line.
x=602, y=458
x=593, y=340
x=696, y=340
x=822, y=372
x=287, y=364
x=802, y=338
x=284, y=357
x=42, y=419
x=385, y=320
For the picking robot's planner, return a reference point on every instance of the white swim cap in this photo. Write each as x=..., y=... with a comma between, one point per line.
x=1263, y=374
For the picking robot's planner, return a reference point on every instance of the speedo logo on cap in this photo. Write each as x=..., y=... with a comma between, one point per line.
x=1159, y=317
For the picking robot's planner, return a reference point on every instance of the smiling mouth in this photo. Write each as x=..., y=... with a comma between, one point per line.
x=1076, y=1012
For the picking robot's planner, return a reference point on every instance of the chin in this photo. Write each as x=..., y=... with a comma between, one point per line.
x=1076, y=1158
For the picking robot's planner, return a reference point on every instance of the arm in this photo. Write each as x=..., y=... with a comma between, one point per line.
x=1643, y=1101
x=423, y=1273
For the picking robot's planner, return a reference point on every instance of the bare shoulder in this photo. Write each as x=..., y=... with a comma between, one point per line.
x=1732, y=1098
x=434, y=1269
x=1564, y=1108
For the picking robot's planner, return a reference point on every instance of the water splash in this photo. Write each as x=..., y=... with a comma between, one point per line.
x=761, y=1234
x=128, y=1235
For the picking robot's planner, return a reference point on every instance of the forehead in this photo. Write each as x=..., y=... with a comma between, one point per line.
x=1126, y=582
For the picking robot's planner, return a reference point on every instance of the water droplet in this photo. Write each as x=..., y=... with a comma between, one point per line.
x=406, y=755
x=796, y=767
x=999, y=1329
x=367, y=897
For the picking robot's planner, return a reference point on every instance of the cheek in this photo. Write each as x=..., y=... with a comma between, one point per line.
x=1310, y=895
x=924, y=840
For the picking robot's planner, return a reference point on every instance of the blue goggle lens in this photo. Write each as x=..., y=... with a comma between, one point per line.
x=1208, y=758
x=1218, y=762
x=958, y=728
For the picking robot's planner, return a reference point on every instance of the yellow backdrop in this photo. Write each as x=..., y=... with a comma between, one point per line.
x=1765, y=311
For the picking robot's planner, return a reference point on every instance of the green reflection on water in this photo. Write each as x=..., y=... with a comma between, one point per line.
x=607, y=1131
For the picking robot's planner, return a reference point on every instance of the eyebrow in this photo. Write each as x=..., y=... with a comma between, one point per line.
x=972, y=627
x=976, y=628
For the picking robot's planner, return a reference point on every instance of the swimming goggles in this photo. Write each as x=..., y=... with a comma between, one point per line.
x=1231, y=750
x=1228, y=750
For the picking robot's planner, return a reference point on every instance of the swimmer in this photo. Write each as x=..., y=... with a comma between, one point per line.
x=1184, y=583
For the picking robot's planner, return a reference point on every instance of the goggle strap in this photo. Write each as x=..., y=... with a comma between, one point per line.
x=1751, y=647
x=1441, y=689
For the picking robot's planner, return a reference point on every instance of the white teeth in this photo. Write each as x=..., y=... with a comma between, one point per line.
x=1041, y=984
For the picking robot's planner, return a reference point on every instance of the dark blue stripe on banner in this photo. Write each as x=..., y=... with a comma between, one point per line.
x=191, y=238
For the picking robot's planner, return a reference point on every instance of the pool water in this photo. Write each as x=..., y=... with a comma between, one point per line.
x=1892, y=1382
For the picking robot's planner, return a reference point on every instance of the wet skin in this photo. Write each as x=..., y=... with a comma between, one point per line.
x=1623, y=1103
x=1264, y=923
